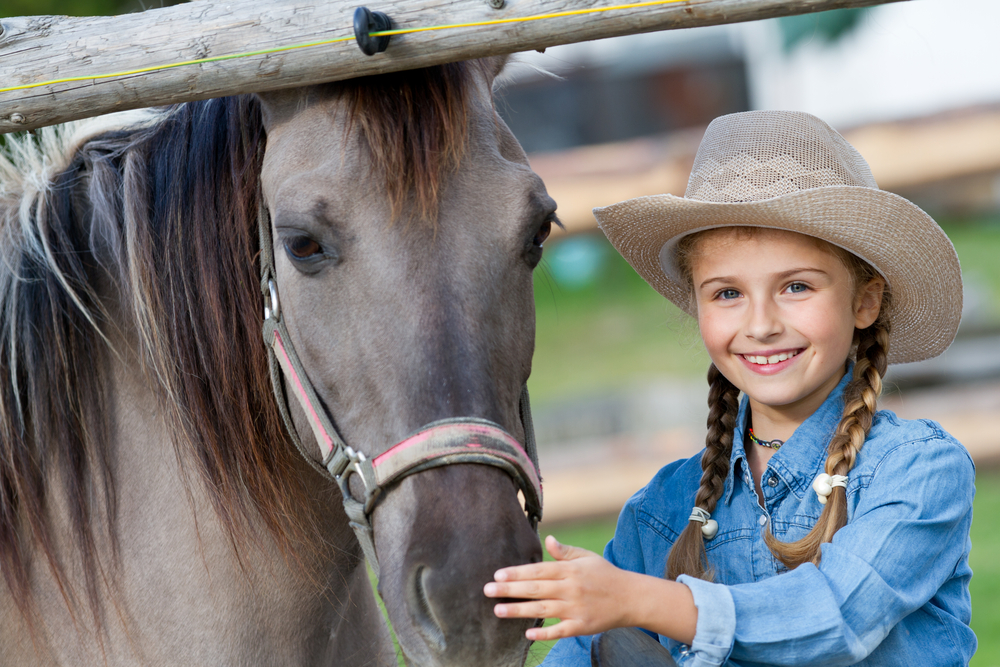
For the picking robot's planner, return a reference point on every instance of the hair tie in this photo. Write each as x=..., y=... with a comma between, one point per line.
x=824, y=484
x=710, y=527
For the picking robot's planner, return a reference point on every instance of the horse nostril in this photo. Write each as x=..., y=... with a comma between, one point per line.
x=422, y=612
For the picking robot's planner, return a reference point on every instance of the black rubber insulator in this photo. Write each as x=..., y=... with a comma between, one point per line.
x=365, y=22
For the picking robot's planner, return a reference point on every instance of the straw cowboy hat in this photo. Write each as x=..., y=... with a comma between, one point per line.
x=790, y=170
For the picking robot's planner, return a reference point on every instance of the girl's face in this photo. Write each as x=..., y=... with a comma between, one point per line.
x=777, y=312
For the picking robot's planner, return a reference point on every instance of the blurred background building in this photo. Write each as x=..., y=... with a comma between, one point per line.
x=914, y=84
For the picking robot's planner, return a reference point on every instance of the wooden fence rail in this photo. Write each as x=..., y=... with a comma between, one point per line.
x=38, y=49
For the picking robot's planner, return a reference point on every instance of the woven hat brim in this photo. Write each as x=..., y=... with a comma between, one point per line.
x=889, y=232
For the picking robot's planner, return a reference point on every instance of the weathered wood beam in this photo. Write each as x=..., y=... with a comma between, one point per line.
x=44, y=48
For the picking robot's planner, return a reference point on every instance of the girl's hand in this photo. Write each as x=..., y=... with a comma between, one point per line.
x=588, y=593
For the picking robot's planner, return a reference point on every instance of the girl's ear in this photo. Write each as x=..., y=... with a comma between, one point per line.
x=868, y=303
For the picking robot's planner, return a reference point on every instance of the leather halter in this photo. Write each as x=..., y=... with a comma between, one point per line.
x=462, y=440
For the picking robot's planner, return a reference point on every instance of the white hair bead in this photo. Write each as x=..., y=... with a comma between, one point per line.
x=710, y=527
x=824, y=484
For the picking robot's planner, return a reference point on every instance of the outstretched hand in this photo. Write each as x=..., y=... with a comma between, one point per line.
x=590, y=595
x=581, y=588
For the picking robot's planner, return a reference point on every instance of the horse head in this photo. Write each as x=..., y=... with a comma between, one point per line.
x=405, y=227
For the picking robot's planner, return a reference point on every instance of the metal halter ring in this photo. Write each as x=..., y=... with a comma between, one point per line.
x=272, y=306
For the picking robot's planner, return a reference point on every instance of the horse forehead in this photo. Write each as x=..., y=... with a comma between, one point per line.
x=312, y=138
x=312, y=157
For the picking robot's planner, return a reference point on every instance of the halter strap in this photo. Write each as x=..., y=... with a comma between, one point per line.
x=445, y=442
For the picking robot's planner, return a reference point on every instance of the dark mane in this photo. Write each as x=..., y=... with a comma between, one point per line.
x=163, y=216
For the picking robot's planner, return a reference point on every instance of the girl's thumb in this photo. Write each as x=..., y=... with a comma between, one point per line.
x=561, y=551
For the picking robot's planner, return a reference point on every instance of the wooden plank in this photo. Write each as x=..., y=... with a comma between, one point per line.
x=45, y=48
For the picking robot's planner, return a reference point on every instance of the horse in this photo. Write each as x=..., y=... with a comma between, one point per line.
x=155, y=508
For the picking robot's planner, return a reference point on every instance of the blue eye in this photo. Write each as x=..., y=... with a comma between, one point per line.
x=797, y=288
x=729, y=294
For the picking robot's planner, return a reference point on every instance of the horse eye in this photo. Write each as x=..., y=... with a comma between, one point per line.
x=302, y=247
x=542, y=234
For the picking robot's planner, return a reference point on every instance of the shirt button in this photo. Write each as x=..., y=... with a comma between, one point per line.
x=772, y=481
x=762, y=520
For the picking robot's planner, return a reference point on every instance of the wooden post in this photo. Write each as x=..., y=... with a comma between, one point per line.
x=36, y=49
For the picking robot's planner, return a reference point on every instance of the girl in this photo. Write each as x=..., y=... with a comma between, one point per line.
x=813, y=529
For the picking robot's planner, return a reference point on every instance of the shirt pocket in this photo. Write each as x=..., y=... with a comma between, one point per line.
x=792, y=527
x=730, y=555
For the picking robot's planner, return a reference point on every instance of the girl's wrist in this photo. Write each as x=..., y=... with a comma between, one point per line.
x=661, y=606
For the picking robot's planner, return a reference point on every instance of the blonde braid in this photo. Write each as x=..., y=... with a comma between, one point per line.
x=687, y=556
x=860, y=404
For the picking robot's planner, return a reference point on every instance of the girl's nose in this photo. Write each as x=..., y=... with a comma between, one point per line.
x=763, y=321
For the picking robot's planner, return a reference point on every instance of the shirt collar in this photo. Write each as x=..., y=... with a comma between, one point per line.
x=803, y=453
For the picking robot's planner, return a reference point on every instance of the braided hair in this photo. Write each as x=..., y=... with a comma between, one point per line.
x=688, y=556
x=688, y=553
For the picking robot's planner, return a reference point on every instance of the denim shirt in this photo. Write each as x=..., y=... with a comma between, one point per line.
x=892, y=588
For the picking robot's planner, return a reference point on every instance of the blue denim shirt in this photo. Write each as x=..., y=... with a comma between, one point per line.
x=892, y=588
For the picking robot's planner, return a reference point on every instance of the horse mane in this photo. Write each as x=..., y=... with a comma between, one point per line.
x=426, y=110
x=159, y=209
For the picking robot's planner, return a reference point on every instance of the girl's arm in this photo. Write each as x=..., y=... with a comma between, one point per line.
x=591, y=595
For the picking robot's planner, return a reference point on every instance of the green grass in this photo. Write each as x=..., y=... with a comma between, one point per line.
x=985, y=586
x=986, y=569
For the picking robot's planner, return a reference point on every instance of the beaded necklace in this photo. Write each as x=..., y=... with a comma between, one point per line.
x=770, y=444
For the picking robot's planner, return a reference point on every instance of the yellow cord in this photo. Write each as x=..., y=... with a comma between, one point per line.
x=525, y=19
x=401, y=31
x=156, y=68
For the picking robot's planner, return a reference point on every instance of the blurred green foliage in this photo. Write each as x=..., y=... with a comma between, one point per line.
x=78, y=7
x=608, y=334
x=826, y=26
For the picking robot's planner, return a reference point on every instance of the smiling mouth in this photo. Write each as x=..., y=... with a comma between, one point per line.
x=772, y=359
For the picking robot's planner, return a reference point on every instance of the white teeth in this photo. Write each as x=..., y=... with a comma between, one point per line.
x=773, y=359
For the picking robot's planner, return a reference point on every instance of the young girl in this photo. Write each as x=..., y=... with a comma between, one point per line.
x=813, y=529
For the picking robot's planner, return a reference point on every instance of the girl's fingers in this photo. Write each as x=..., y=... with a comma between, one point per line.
x=550, y=570
x=532, y=609
x=550, y=632
x=533, y=589
x=527, y=572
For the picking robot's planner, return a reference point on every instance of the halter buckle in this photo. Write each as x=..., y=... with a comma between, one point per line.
x=357, y=464
x=357, y=458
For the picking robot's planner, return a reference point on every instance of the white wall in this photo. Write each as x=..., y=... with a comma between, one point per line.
x=907, y=59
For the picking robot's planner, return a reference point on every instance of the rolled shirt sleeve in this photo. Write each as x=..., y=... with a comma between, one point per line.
x=716, y=627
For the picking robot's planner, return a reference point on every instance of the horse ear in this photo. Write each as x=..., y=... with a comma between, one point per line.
x=279, y=105
x=494, y=65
